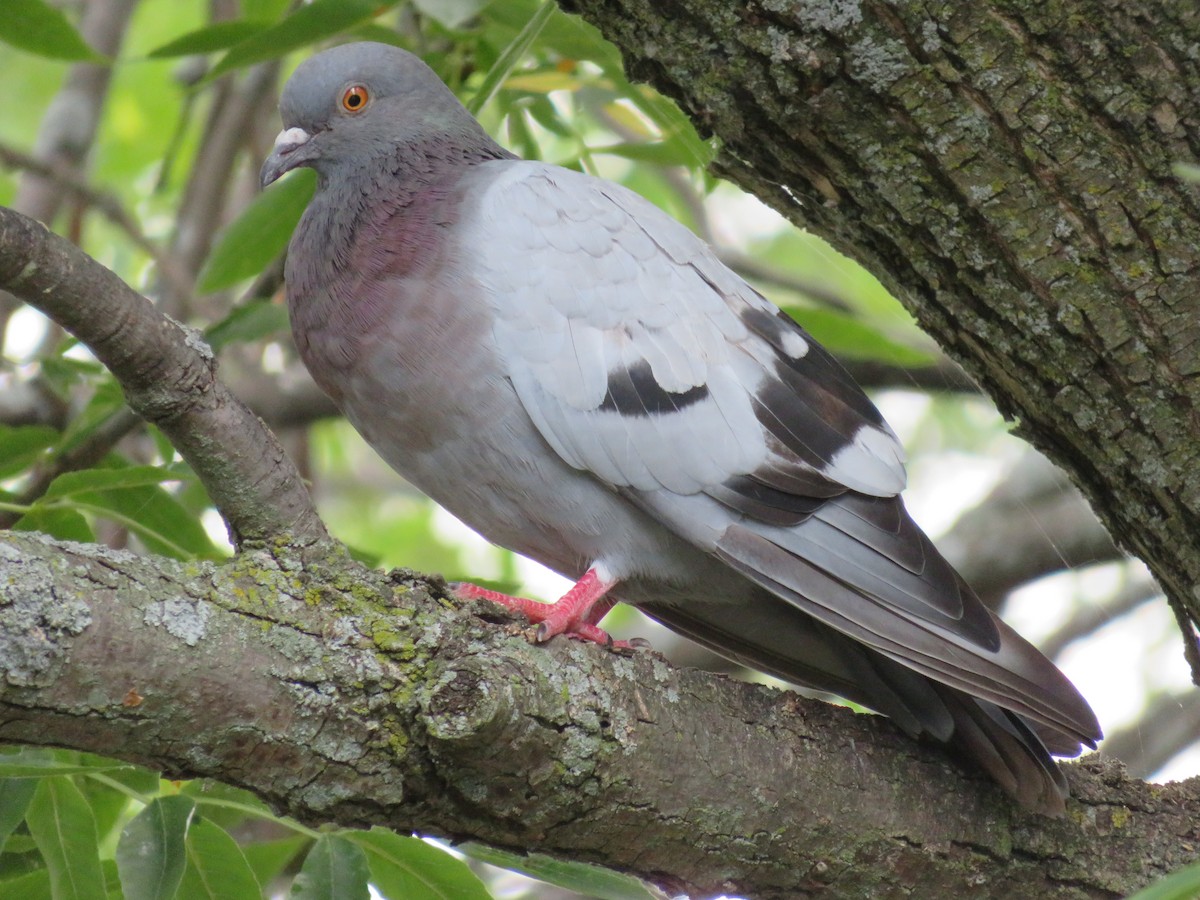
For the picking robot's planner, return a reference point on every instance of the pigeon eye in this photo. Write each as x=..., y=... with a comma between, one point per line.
x=355, y=98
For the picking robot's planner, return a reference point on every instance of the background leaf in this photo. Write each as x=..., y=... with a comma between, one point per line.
x=408, y=868
x=251, y=321
x=335, y=869
x=450, y=13
x=1181, y=885
x=22, y=445
x=151, y=855
x=210, y=38
x=15, y=796
x=259, y=234
x=511, y=56
x=132, y=496
x=38, y=27
x=64, y=524
x=64, y=829
x=216, y=867
x=308, y=24
x=592, y=881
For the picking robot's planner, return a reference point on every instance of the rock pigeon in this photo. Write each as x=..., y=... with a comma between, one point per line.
x=576, y=375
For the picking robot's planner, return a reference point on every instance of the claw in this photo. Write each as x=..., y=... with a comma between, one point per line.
x=575, y=614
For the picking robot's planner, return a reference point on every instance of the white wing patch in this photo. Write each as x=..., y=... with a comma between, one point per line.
x=636, y=353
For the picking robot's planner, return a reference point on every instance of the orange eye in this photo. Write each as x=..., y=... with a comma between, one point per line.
x=355, y=98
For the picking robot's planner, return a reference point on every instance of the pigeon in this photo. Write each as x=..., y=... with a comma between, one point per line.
x=575, y=375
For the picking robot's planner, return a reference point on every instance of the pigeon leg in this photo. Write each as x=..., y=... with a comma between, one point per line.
x=575, y=614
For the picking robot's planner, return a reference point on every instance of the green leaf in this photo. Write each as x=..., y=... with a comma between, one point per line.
x=1181, y=885
x=150, y=854
x=520, y=135
x=224, y=805
x=572, y=38
x=845, y=335
x=32, y=762
x=110, y=809
x=210, y=38
x=22, y=445
x=61, y=823
x=450, y=13
x=543, y=82
x=546, y=114
x=512, y=55
x=131, y=496
x=15, y=795
x=661, y=153
x=216, y=867
x=33, y=885
x=593, y=881
x=268, y=859
x=85, y=481
x=259, y=234
x=335, y=869
x=1187, y=171
x=673, y=125
x=308, y=24
x=38, y=27
x=264, y=9
x=407, y=868
x=106, y=401
x=58, y=522
x=251, y=321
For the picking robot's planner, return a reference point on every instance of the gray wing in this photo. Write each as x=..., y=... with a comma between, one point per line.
x=643, y=360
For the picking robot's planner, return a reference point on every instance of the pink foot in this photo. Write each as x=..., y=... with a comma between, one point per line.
x=575, y=614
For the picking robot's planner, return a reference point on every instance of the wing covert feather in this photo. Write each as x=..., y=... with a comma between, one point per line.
x=643, y=359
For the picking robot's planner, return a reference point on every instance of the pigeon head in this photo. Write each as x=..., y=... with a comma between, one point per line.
x=349, y=105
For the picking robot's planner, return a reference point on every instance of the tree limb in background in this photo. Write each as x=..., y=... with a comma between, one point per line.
x=1093, y=616
x=1033, y=524
x=239, y=101
x=1168, y=727
x=71, y=182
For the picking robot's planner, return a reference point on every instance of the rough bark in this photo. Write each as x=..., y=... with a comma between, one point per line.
x=1005, y=168
x=344, y=695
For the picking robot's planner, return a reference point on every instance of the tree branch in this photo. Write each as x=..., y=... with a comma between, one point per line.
x=169, y=378
x=1033, y=524
x=726, y=786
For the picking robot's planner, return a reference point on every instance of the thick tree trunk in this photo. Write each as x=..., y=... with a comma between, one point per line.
x=1006, y=169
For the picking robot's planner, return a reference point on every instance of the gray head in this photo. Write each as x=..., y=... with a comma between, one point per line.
x=353, y=103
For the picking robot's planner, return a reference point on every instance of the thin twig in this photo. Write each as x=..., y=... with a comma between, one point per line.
x=108, y=205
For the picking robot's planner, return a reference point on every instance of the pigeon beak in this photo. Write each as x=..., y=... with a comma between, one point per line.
x=283, y=156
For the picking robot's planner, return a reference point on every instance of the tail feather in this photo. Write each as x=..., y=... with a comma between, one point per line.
x=1014, y=675
x=774, y=636
x=1007, y=748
